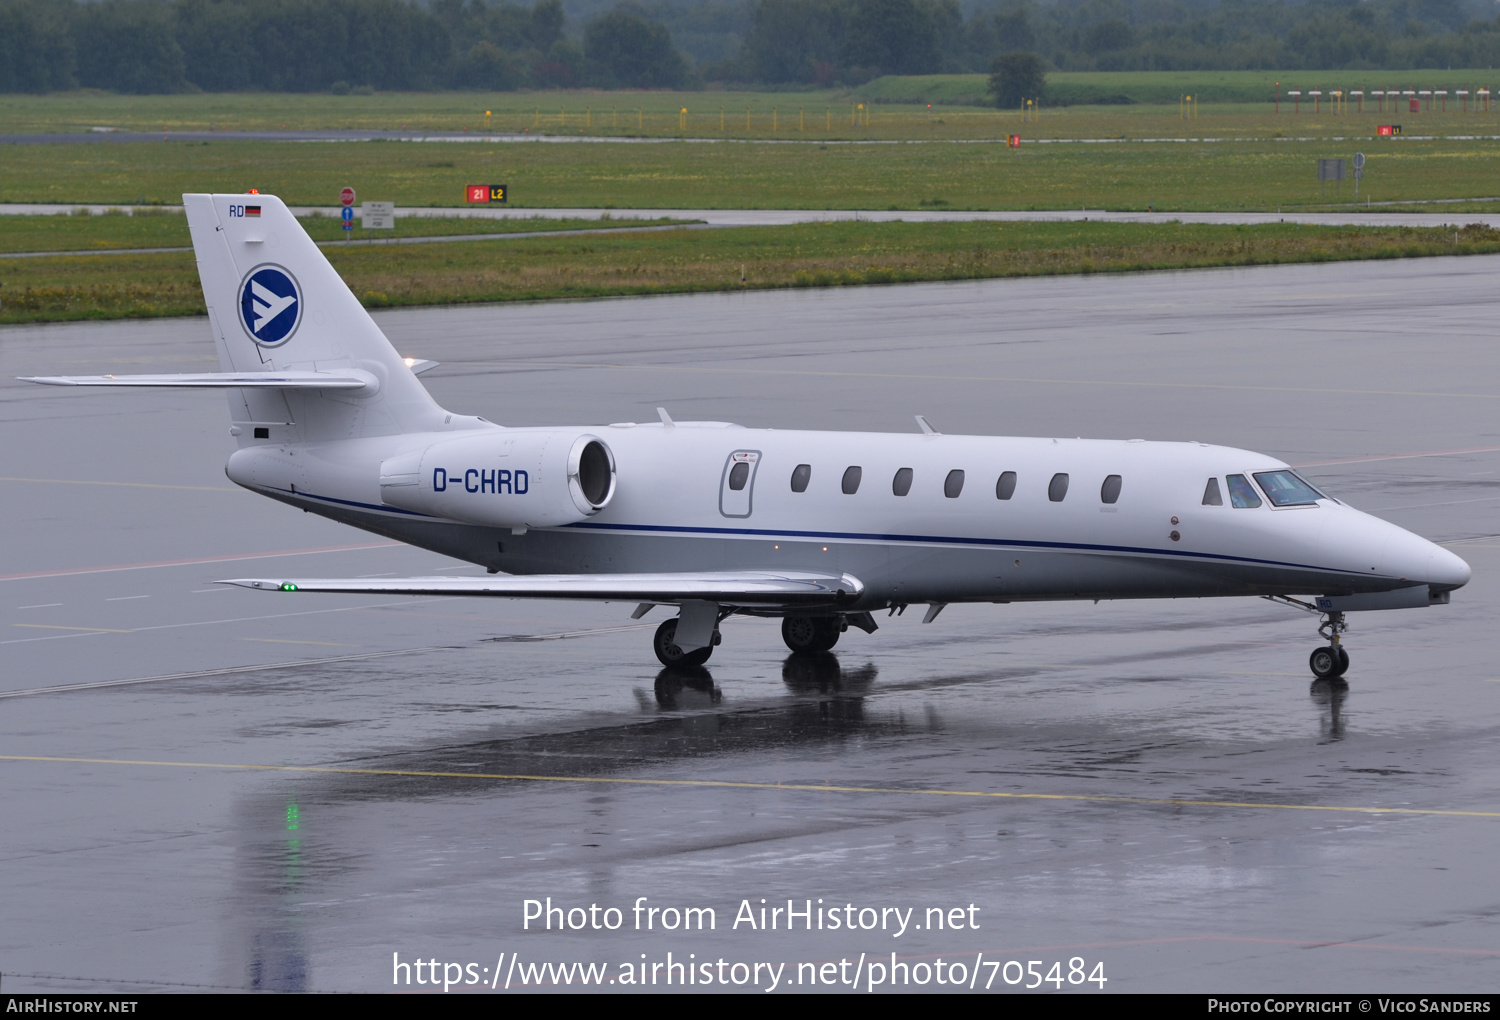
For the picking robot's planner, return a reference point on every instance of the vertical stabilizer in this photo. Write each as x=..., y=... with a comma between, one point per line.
x=276, y=304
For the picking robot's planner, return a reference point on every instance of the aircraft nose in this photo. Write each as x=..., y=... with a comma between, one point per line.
x=1387, y=549
x=1447, y=571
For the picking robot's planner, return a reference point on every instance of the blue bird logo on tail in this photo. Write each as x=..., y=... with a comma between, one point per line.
x=270, y=305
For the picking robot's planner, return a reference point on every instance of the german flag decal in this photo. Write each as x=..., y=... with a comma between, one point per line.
x=252, y=210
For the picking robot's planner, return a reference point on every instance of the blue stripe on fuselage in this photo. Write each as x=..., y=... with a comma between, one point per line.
x=349, y=502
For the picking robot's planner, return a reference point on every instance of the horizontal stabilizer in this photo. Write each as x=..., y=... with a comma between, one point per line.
x=343, y=379
x=729, y=588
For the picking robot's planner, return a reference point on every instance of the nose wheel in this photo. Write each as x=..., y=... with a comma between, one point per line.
x=1332, y=661
x=1328, y=663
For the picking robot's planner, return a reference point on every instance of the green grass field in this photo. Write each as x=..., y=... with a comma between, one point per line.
x=813, y=255
x=624, y=113
x=1234, y=103
x=1172, y=177
x=1166, y=87
x=167, y=229
x=1227, y=158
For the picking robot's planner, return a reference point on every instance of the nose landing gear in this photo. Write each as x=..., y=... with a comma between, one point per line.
x=1333, y=661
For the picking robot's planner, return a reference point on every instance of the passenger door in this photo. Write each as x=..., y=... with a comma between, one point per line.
x=738, y=482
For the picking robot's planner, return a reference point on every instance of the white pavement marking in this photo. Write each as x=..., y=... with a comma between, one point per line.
x=976, y=378
x=225, y=671
x=202, y=559
x=128, y=485
x=92, y=631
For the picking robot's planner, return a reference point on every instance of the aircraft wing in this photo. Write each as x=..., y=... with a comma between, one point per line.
x=343, y=379
x=729, y=588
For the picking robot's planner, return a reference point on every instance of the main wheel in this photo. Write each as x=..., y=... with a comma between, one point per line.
x=810, y=633
x=1325, y=662
x=665, y=645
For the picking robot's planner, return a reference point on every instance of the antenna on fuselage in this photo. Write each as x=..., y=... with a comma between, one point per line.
x=927, y=429
x=666, y=419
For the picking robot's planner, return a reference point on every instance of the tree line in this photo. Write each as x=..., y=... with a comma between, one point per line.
x=851, y=41
x=144, y=46
x=156, y=46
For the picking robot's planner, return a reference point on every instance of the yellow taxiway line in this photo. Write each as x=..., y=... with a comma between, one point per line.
x=58, y=626
x=725, y=784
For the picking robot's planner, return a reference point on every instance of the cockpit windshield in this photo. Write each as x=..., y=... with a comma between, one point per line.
x=1284, y=488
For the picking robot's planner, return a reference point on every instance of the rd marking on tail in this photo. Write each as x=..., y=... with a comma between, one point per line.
x=270, y=305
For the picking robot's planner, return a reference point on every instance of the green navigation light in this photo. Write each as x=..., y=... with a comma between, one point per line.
x=288, y=586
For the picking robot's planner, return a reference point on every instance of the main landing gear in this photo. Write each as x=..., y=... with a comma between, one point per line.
x=670, y=655
x=1331, y=662
x=812, y=633
x=801, y=634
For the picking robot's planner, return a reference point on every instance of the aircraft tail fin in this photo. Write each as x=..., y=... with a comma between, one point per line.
x=276, y=304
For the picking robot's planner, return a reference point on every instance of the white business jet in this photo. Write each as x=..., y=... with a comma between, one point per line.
x=820, y=529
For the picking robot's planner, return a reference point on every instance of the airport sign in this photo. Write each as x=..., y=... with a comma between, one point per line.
x=484, y=193
x=378, y=215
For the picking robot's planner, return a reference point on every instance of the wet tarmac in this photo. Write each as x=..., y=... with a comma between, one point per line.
x=216, y=788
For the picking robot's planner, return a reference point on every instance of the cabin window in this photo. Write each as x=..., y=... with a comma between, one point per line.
x=1241, y=492
x=1109, y=492
x=901, y=484
x=953, y=484
x=1057, y=489
x=801, y=474
x=1284, y=488
x=738, y=476
x=1005, y=487
x=851, y=480
x=1211, y=494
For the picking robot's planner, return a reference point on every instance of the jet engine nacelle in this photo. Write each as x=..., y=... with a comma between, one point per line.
x=515, y=478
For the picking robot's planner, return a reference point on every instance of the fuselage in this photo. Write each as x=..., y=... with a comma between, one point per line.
x=917, y=518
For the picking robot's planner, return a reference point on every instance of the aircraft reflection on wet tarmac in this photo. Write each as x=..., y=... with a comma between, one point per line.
x=689, y=719
x=1330, y=694
x=279, y=869
x=815, y=673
